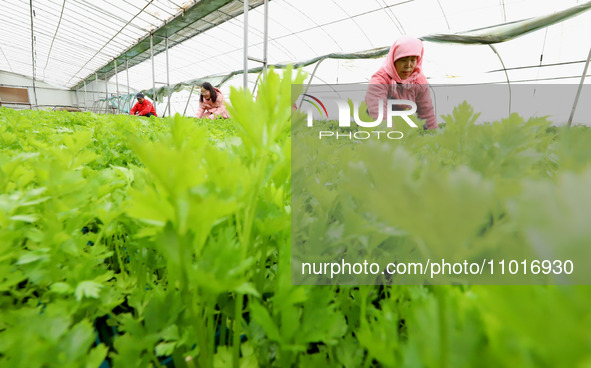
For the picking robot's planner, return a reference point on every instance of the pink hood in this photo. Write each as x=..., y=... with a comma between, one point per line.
x=384, y=83
x=405, y=46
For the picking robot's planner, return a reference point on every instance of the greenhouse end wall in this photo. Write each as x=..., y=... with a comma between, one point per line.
x=46, y=95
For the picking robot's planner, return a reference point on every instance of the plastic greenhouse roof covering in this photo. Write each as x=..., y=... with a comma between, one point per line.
x=555, y=53
x=70, y=40
x=92, y=35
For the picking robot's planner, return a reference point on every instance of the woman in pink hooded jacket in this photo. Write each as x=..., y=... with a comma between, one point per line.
x=401, y=78
x=211, y=102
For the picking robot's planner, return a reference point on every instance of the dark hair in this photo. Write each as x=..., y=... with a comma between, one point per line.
x=212, y=94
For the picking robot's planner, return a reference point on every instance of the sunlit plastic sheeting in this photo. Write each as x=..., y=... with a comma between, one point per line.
x=299, y=33
x=563, y=42
x=203, y=15
x=91, y=34
x=298, y=37
x=380, y=27
x=210, y=53
x=508, y=31
x=305, y=30
x=73, y=38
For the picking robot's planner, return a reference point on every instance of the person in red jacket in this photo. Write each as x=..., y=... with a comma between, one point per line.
x=401, y=77
x=143, y=107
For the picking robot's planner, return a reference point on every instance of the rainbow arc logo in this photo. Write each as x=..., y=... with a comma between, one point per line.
x=315, y=102
x=345, y=118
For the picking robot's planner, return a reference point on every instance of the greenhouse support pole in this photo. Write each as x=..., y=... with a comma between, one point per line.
x=128, y=99
x=189, y=99
x=256, y=82
x=506, y=75
x=85, y=94
x=167, y=75
x=33, y=53
x=95, y=88
x=572, y=112
x=266, y=37
x=106, y=95
x=153, y=72
x=95, y=93
x=265, y=43
x=310, y=81
x=117, y=84
x=245, y=59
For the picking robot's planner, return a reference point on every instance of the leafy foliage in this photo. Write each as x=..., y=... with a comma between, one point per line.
x=141, y=241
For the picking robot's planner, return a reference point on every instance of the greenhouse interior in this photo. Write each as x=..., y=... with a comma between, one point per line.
x=95, y=57
x=273, y=205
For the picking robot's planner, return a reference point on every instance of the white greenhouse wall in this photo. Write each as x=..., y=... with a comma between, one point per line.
x=50, y=96
x=47, y=95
